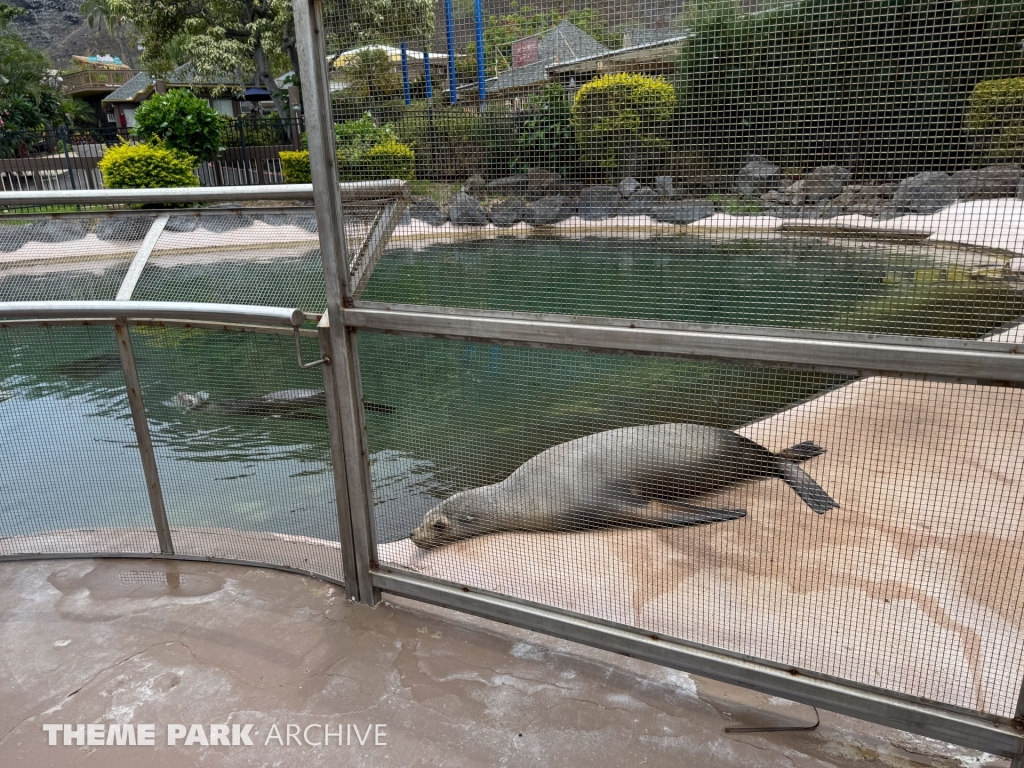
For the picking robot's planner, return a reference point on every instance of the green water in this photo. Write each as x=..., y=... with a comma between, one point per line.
x=446, y=415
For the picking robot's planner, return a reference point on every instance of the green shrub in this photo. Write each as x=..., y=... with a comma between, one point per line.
x=147, y=166
x=355, y=137
x=182, y=122
x=389, y=160
x=996, y=108
x=295, y=167
x=620, y=119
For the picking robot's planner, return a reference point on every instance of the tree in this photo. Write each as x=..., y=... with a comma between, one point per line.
x=256, y=38
x=28, y=96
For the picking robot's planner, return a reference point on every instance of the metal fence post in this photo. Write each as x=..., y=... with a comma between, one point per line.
x=334, y=253
x=142, y=436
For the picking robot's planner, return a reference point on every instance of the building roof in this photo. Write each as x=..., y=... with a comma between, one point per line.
x=636, y=54
x=138, y=88
x=565, y=42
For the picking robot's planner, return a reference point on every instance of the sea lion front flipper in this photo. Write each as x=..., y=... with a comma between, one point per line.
x=680, y=514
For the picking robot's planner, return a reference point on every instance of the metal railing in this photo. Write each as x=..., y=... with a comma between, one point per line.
x=93, y=80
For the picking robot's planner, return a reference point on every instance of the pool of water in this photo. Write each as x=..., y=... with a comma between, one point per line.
x=441, y=415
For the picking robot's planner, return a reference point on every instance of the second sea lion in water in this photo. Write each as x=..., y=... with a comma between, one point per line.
x=609, y=479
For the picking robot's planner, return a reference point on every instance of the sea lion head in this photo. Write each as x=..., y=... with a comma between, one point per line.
x=453, y=519
x=190, y=402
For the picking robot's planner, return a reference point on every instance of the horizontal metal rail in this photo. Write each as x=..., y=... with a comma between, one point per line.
x=812, y=350
x=356, y=190
x=970, y=729
x=41, y=312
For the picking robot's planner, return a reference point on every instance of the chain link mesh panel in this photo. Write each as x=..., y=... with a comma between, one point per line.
x=67, y=258
x=71, y=477
x=242, y=446
x=908, y=579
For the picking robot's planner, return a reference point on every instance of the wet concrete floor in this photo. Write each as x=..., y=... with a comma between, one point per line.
x=119, y=642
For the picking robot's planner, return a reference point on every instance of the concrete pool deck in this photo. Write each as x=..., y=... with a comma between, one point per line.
x=915, y=583
x=135, y=641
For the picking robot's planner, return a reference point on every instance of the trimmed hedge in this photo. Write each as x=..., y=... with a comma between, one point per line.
x=619, y=119
x=390, y=160
x=147, y=166
x=182, y=122
x=295, y=167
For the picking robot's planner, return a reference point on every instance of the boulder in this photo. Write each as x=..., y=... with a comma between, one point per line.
x=191, y=224
x=466, y=211
x=683, y=213
x=548, y=210
x=306, y=221
x=1020, y=190
x=824, y=183
x=474, y=185
x=428, y=210
x=507, y=213
x=640, y=203
x=509, y=185
x=925, y=193
x=599, y=202
x=541, y=182
x=628, y=186
x=757, y=177
x=992, y=181
x=663, y=186
x=56, y=231
x=13, y=237
x=131, y=228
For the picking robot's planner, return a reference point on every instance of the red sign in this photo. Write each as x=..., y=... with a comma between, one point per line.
x=524, y=52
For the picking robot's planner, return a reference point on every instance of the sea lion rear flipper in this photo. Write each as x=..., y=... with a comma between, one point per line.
x=679, y=514
x=813, y=495
x=802, y=451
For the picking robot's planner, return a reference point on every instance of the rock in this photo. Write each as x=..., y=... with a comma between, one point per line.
x=757, y=177
x=663, y=186
x=466, y=211
x=191, y=224
x=683, y=213
x=992, y=181
x=509, y=185
x=405, y=219
x=640, y=203
x=598, y=202
x=1020, y=190
x=306, y=221
x=925, y=193
x=541, y=182
x=793, y=211
x=548, y=210
x=225, y=223
x=56, y=231
x=273, y=219
x=474, y=185
x=130, y=228
x=824, y=183
x=428, y=210
x=628, y=186
x=507, y=213
x=13, y=237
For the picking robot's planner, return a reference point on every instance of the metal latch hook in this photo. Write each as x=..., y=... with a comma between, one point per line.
x=298, y=354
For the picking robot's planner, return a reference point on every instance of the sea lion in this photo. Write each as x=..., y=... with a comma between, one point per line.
x=287, y=402
x=609, y=479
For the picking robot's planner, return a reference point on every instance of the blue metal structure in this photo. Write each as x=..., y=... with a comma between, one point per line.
x=449, y=22
x=405, y=75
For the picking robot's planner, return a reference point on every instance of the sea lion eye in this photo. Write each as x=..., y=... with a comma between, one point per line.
x=440, y=525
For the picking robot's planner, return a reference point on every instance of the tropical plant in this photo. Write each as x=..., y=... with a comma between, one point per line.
x=28, y=95
x=147, y=166
x=371, y=75
x=622, y=120
x=182, y=121
x=996, y=110
x=545, y=137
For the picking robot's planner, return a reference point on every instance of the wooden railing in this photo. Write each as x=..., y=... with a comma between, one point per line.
x=96, y=79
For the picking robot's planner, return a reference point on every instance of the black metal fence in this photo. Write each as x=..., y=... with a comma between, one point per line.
x=68, y=158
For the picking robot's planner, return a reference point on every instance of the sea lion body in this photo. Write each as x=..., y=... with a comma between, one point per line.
x=610, y=478
x=283, y=403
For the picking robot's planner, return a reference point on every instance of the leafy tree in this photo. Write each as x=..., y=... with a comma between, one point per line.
x=996, y=111
x=371, y=75
x=28, y=96
x=881, y=86
x=182, y=122
x=544, y=138
x=256, y=38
